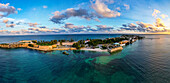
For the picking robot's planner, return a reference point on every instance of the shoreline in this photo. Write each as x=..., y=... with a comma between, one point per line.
x=98, y=45
x=95, y=50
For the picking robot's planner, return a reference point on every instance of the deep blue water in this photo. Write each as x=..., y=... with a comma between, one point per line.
x=145, y=61
x=9, y=39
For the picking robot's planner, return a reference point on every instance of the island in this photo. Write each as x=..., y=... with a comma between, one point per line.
x=100, y=45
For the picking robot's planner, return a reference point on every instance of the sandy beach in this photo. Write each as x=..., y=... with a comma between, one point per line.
x=96, y=49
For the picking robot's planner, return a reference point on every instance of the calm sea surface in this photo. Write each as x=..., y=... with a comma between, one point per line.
x=145, y=61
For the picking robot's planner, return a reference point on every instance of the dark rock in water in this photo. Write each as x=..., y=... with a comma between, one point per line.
x=65, y=53
x=127, y=43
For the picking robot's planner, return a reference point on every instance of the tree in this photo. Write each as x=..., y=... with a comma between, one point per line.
x=77, y=45
x=34, y=41
x=30, y=45
x=82, y=45
x=61, y=43
x=71, y=40
x=104, y=47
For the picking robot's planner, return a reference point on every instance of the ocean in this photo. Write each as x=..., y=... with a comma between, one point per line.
x=145, y=61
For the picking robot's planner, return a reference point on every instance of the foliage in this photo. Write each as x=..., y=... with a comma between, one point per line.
x=46, y=43
x=34, y=41
x=4, y=44
x=71, y=40
x=77, y=45
x=61, y=43
x=95, y=42
x=104, y=47
x=82, y=45
x=30, y=45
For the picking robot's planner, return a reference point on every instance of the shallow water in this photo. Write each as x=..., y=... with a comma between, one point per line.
x=145, y=61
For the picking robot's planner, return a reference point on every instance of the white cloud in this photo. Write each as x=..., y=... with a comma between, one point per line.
x=102, y=9
x=127, y=6
x=164, y=15
x=33, y=24
x=6, y=10
x=19, y=9
x=59, y=17
x=45, y=6
x=154, y=14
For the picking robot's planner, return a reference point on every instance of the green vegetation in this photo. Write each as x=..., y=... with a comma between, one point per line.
x=52, y=42
x=94, y=42
x=104, y=47
x=47, y=43
x=4, y=44
x=79, y=44
x=71, y=40
x=34, y=41
x=76, y=45
x=61, y=43
x=30, y=45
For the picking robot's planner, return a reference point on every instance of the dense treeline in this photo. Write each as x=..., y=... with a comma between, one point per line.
x=79, y=44
x=30, y=45
x=52, y=42
x=95, y=42
x=46, y=43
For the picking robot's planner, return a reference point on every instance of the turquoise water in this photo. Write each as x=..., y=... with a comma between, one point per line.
x=145, y=61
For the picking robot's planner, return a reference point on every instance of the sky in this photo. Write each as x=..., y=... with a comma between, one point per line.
x=24, y=17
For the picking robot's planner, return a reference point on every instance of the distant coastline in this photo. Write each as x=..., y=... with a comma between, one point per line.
x=100, y=45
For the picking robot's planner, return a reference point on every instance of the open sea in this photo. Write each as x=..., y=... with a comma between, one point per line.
x=145, y=61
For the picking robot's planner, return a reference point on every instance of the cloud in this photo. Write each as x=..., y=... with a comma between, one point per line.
x=26, y=31
x=91, y=29
x=42, y=27
x=45, y=6
x=10, y=22
x=33, y=24
x=19, y=9
x=158, y=26
x=34, y=9
x=104, y=28
x=59, y=17
x=144, y=25
x=159, y=23
x=44, y=30
x=131, y=25
x=10, y=25
x=108, y=1
x=74, y=28
x=14, y=32
x=164, y=15
x=2, y=31
x=98, y=9
x=118, y=8
x=6, y=10
x=5, y=21
x=127, y=6
x=154, y=14
x=102, y=9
